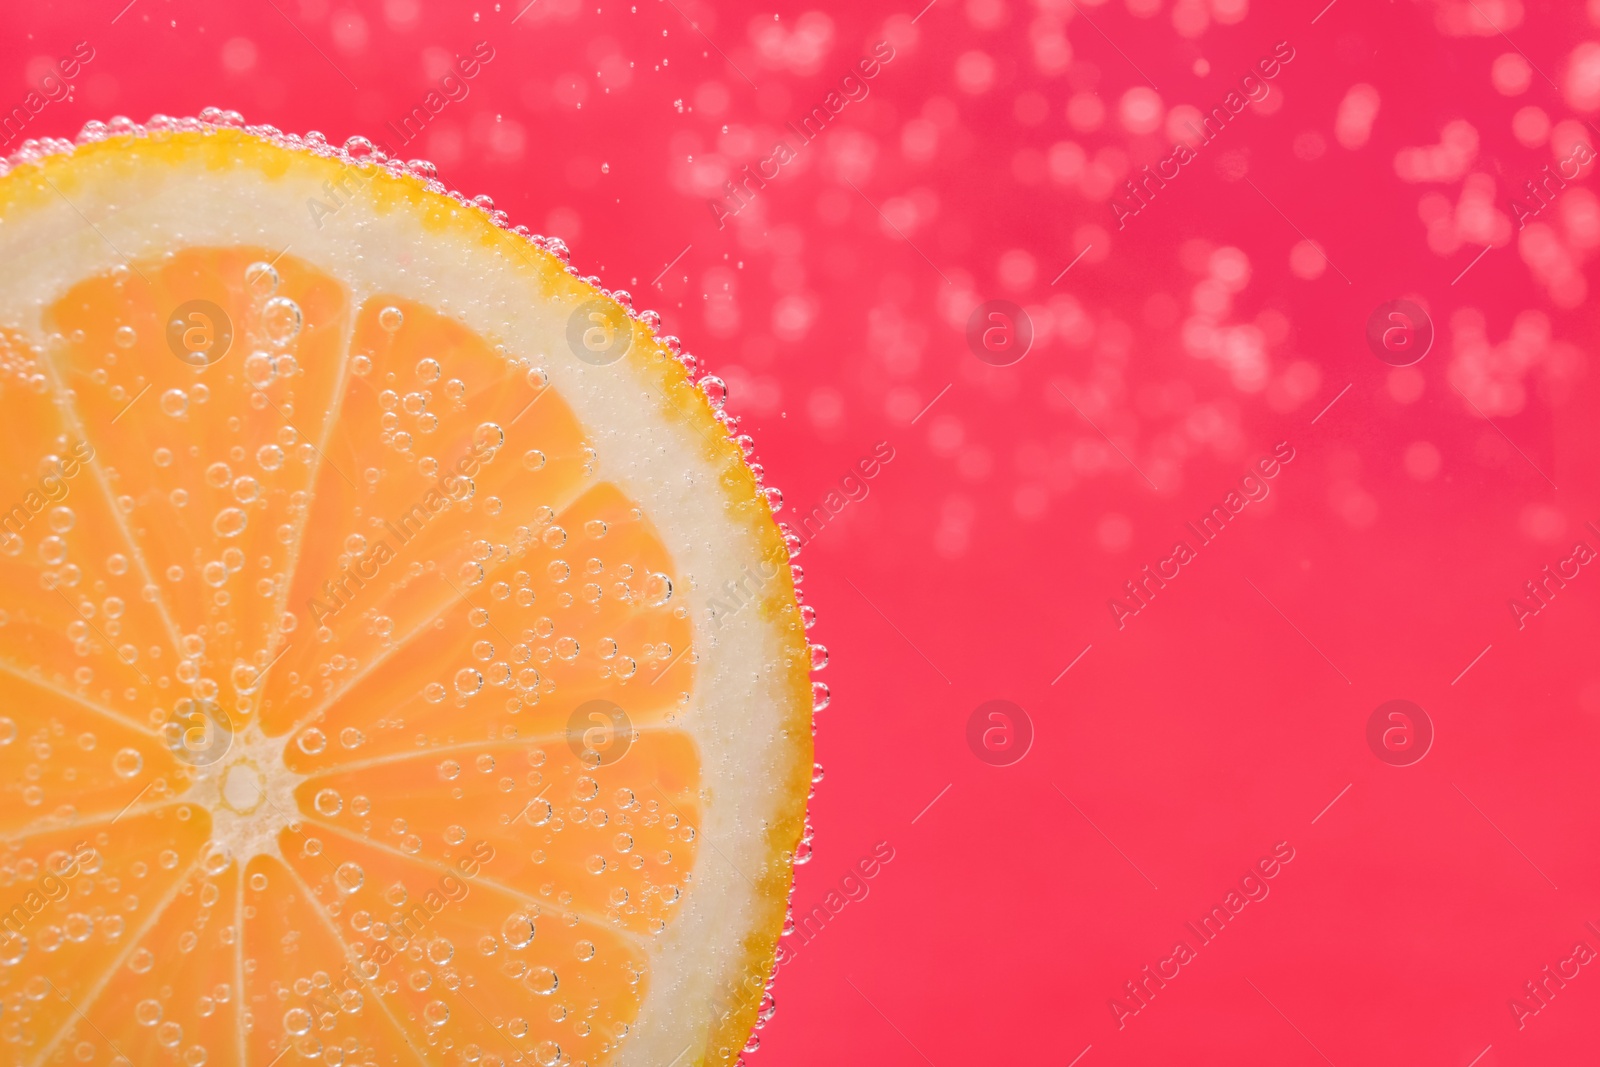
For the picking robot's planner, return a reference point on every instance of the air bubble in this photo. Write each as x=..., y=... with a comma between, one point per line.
x=77, y=927
x=657, y=589
x=391, y=318
x=262, y=278
x=716, y=390
x=230, y=522
x=488, y=437
x=517, y=931
x=259, y=370
x=281, y=320
x=349, y=877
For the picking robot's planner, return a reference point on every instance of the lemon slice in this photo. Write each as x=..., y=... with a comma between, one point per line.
x=399, y=661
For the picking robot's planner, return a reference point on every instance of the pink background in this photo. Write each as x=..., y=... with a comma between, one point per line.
x=1226, y=715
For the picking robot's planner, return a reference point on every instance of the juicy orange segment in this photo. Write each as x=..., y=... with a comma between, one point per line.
x=354, y=702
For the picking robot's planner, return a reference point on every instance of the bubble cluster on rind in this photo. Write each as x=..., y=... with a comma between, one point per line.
x=359, y=151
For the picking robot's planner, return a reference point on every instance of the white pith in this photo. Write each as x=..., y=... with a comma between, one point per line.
x=249, y=792
x=660, y=466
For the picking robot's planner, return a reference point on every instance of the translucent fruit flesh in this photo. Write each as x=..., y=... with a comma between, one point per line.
x=287, y=674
